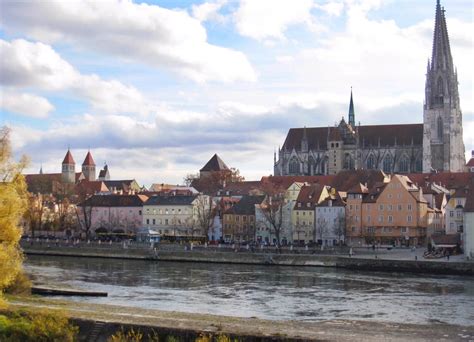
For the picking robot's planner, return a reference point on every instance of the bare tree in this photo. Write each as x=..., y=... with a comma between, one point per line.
x=272, y=209
x=205, y=212
x=84, y=213
x=340, y=226
x=321, y=227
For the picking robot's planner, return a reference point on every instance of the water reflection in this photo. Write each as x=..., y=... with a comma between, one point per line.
x=300, y=293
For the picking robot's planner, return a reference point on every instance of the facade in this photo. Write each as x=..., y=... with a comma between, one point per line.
x=470, y=163
x=104, y=174
x=330, y=216
x=468, y=237
x=88, y=167
x=239, y=220
x=176, y=216
x=304, y=224
x=112, y=213
x=455, y=211
x=436, y=144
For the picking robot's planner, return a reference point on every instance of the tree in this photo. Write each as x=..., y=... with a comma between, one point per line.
x=205, y=211
x=13, y=203
x=321, y=227
x=214, y=181
x=340, y=226
x=84, y=213
x=272, y=209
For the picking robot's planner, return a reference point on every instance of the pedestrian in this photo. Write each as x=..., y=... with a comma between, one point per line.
x=350, y=252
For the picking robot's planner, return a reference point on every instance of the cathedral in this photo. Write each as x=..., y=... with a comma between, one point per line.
x=432, y=146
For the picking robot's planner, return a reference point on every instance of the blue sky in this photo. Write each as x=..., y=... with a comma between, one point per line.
x=156, y=88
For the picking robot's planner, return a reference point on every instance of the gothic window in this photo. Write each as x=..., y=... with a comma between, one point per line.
x=440, y=128
x=387, y=164
x=403, y=165
x=311, y=166
x=440, y=86
x=294, y=166
x=348, y=162
x=371, y=162
x=418, y=165
x=324, y=165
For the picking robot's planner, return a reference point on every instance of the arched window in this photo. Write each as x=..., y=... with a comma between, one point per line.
x=311, y=166
x=387, y=164
x=418, y=165
x=348, y=162
x=440, y=128
x=440, y=86
x=294, y=166
x=403, y=165
x=323, y=168
x=371, y=162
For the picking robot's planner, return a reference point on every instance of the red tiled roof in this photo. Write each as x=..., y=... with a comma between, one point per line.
x=449, y=180
x=241, y=188
x=115, y=201
x=286, y=181
x=88, y=161
x=68, y=159
x=469, y=206
x=470, y=163
x=92, y=187
x=308, y=194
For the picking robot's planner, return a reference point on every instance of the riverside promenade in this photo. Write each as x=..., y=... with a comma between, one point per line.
x=367, y=259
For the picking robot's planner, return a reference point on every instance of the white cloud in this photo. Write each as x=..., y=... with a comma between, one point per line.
x=209, y=11
x=265, y=19
x=137, y=32
x=333, y=8
x=25, y=104
x=37, y=65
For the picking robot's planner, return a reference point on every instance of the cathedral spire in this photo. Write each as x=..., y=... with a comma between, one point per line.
x=351, y=112
x=441, y=57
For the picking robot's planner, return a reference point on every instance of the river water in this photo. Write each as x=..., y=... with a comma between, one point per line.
x=269, y=292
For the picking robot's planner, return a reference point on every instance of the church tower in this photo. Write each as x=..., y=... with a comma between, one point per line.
x=443, y=146
x=351, y=113
x=68, y=174
x=88, y=167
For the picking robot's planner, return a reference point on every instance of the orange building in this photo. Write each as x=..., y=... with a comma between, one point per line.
x=392, y=213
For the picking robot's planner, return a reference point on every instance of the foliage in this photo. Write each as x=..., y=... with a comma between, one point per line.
x=13, y=196
x=214, y=181
x=136, y=336
x=43, y=326
x=126, y=336
x=21, y=286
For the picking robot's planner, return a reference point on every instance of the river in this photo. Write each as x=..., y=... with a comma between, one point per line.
x=269, y=292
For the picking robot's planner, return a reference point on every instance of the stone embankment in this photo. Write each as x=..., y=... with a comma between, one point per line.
x=365, y=262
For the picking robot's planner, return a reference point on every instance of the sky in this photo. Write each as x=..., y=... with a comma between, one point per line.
x=155, y=88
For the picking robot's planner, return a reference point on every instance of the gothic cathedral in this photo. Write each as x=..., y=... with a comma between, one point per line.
x=435, y=145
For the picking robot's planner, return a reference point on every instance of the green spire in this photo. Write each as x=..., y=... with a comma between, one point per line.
x=351, y=112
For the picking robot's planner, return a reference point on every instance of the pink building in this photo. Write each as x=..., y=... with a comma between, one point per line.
x=111, y=213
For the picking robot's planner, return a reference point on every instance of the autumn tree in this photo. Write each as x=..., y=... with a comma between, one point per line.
x=214, y=181
x=13, y=202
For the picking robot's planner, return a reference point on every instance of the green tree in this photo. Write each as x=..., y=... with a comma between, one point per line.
x=13, y=203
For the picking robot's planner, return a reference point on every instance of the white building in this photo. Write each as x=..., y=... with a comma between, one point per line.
x=330, y=221
x=455, y=211
x=469, y=226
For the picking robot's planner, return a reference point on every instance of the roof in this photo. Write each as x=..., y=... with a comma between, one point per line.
x=92, y=187
x=68, y=159
x=469, y=206
x=47, y=182
x=115, y=201
x=124, y=185
x=358, y=189
x=374, y=193
x=246, y=205
x=286, y=181
x=386, y=135
x=470, y=163
x=241, y=188
x=309, y=194
x=449, y=180
x=89, y=161
x=336, y=201
x=215, y=164
x=171, y=200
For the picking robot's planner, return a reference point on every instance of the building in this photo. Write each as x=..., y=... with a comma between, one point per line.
x=176, y=216
x=303, y=218
x=470, y=163
x=104, y=174
x=111, y=213
x=330, y=218
x=239, y=220
x=88, y=167
x=436, y=144
x=469, y=226
x=455, y=211
x=215, y=165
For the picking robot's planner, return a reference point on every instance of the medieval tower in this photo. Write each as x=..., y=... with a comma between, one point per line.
x=443, y=146
x=68, y=173
x=88, y=167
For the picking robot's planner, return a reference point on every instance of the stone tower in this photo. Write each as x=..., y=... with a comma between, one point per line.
x=88, y=167
x=443, y=146
x=69, y=169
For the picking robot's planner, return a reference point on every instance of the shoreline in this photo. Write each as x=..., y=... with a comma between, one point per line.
x=363, y=263
x=181, y=324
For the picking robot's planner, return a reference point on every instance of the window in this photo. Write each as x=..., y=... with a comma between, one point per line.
x=368, y=219
x=140, y=212
x=404, y=230
x=368, y=207
x=294, y=166
x=350, y=207
x=409, y=218
x=403, y=164
x=440, y=128
x=399, y=207
x=380, y=218
x=308, y=204
x=387, y=164
x=147, y=221
x=389, y=207
x=371, y=162
x=381, y=207
x=390, y=219
x=409, y=207
x=451, y=213
x=154, y=221
x=348, y=162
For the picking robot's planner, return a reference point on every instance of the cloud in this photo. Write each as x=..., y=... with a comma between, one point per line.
x=140, y=33
x=25, y=104
x=209, y=11
x=264, y=19
x=36, y=65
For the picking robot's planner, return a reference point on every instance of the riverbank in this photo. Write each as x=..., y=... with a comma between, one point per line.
x=105, y=320
x=367, y=262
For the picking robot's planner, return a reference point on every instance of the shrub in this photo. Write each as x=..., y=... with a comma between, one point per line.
x=21, y=285
x=42, y=326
